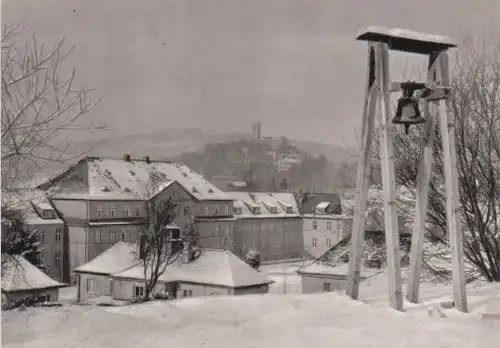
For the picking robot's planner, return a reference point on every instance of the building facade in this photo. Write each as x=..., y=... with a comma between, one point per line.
x=103, y=200
x=324, y=231
x=269, y=223
x=51, y=230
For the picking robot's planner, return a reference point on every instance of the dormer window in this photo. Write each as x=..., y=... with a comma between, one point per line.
x=238, y=211
x=48, y=214
x=256, y=210
x=289, y=210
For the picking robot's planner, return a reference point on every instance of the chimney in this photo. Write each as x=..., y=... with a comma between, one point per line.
x=140, y=245
x=126, y=157
x=147, y=159
x=187, y=253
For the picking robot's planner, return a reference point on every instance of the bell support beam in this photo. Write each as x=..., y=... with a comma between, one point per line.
x=453, y=217
x=423, y=182
x=363, y=176
x=389, y=181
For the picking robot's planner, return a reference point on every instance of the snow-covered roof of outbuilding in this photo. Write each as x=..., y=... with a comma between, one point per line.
x=18, y=274
x=120, y=256
x=327, y=269
x=129, y=179
x=213, y=266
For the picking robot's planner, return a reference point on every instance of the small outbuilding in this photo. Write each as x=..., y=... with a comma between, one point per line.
x=119, y=274
x=22, y=281
x=325, y=277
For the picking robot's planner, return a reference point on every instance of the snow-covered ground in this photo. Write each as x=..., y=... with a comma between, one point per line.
x=291, y=320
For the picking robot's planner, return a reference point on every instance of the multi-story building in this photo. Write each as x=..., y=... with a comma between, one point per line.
x=102, y=201
x=42, y=217
x=268, y=222
x=324, y=225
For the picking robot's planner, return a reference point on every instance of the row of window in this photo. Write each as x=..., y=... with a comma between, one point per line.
x=112, y=236
x=57, y=258
x=315, y=242
x=41, y=235
x=127, y=212
x=329, y=225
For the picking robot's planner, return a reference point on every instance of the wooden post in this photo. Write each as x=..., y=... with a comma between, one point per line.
x=423, y=182
x=389, y=180
x=363, y=177
x=453, y=215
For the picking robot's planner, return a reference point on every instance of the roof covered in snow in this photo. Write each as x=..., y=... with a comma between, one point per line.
x=117, y=258
x=328, y=269
x=100, y=177
x=212, y=266
x=264, y=204
x=32, y=202
x=329, y=202
x=20, y=275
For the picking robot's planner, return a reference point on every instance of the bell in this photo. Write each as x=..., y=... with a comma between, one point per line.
x=407, y=111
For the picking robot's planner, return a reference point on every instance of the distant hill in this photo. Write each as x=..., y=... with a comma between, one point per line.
x=221, y=154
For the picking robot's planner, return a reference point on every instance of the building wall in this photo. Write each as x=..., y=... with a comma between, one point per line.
x=101, y=238
x=123, y=289
x=207, y=208
x=202, y=290
x=216, y=234
x=314, y=283
x=275, y=238
x=77, y=248
x=328, y=231
x=73, y=212
x=92, y=285
x=258, y=289
x=53, y=253
x=20, y=295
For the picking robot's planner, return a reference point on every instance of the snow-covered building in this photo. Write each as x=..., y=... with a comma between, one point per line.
x=22, y=280
x=119, y=274
x=102, y=201
x=269, y=222
x=326, y=277
x=50, y=229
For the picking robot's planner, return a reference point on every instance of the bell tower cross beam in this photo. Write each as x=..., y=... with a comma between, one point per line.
x=437, y=104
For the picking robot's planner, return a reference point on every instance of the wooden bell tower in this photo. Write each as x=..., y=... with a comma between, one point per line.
x=436, y=104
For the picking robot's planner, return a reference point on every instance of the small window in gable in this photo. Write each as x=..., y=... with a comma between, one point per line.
x=48, y=214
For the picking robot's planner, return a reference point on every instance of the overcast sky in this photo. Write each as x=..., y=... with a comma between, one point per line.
x=220, y=64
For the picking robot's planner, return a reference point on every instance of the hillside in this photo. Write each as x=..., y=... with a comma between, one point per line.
x=315, y=165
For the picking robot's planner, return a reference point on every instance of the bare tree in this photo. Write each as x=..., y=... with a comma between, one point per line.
x=476, y=103
x=39, y=103
x=159, y=244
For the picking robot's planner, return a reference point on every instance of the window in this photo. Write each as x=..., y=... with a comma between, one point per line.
x=226, y=210
x=315, y=224
x=216, y=210
x=112, y=211
x=328, y=242
x=112, y=235
x=185, y=211
x=329, y=225
x=314, y=242
x=125, y=236
x=205, y=208
x=41, y=235
x=90, y=285
x=48, y=214
x=99, y=212
x=327, y=287
x=217, y=228
x=127, y=211
x=137, y=211
x=97, y=236
x=187, y=293
x=57, y=258
x=58, y=234
x=138, y=291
